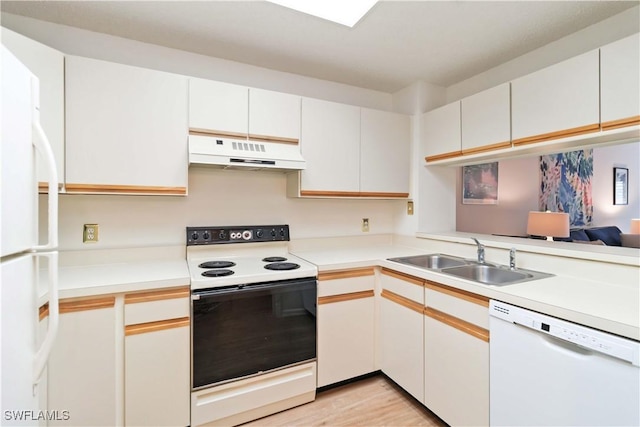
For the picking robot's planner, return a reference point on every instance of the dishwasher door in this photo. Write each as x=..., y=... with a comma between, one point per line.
x=549, y=372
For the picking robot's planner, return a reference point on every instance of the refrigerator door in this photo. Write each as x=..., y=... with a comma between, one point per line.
x=19, y=320
x=19, y=188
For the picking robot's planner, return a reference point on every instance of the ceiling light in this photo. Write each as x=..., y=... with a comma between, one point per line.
x=343, y=12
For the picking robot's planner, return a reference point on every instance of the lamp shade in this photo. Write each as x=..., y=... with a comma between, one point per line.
x=550, y=224
x=635, y=226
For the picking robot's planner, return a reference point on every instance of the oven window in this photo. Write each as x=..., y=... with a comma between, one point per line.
x=244, y=331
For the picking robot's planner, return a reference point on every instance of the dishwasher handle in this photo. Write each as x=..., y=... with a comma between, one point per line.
x=591, y=339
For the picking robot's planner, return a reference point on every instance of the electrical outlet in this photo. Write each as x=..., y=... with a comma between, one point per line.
x=365, y=225
x=410, y=207
x=90, y=233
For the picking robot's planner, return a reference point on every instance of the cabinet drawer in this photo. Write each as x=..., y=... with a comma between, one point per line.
x=402, y=284
x=345, y=282
x=145, y=307
x=464, y=305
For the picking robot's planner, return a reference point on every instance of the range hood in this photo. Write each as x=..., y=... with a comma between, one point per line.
x=244, y=154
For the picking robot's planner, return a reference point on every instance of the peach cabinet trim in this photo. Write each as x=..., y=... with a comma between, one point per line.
x=383, y=194
x=615, y=124
x=143, y=328
x=345, y=297
x=162, y=294
x=125, y=189
x=43, y=311
x=219, y=133
x=277, y=139
x=402, y=276
x=346, y=274
x=485, y=148
x=443, y=156
x=557, y=135
x=461, y=325
x=405, y=302
x=329, y=193
x=83, y=304
x=458, y=293
x=43, y=187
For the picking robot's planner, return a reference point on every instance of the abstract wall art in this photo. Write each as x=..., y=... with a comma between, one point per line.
x=565, y=185
x=480, y=184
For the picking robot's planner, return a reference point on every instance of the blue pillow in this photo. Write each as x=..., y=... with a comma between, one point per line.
x=609, y=235
x=579, y=234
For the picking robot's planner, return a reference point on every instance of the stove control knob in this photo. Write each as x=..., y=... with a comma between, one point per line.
x=246, y=234
x=222, y=235
x=282, y=232
x=273, y=233
x=195, y=235
x=206, y=235
x=259, y=234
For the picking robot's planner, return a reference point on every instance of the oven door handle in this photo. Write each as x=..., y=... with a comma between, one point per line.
x=309, y=283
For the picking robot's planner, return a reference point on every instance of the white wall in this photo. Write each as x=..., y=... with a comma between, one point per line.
x=216, y=197
x=604, y=160
x=75, y=41
x=590, y=38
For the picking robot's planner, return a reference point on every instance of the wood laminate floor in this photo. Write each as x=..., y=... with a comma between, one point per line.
x=374, y=401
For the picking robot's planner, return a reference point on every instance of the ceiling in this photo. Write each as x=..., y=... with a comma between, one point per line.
x=396, y=44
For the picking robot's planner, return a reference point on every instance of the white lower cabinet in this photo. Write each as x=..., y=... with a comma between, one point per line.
x=82, y=365
x=157, y=358
x=400, y=325
x=346, y=325
x=456, y=356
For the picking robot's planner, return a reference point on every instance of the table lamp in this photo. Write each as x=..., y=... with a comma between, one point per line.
x=550, y=224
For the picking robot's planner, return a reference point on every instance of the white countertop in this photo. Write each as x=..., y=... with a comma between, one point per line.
x=90, y=273
x=609, y=307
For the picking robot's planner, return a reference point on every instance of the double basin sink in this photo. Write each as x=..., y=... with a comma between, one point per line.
x=485, y=273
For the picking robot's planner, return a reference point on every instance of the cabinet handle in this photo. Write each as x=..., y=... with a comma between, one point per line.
x=161, y=294
x=557, y=135
x=84, y=304
x=402, y=276
x=161, y=325
x=457, y=293
x=346, y=274
x=403, y=301
x=459, y=324
x=124, y=189
x=345, y=297
x=615, y=124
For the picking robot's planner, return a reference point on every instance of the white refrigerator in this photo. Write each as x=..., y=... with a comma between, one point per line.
x=24, y=346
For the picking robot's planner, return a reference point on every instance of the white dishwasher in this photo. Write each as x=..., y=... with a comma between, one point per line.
x=549, y=372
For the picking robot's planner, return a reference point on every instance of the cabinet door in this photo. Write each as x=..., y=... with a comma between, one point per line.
x=456, y=355
x=218, y=108
x=620, y=85
x=486, y=120
x=346, y=325
x=441, y=135
x=82, y=365
x=48, y=65
x=559, y=101
x=126, y=129
x=274, y=116
x=157, y=374
x=401, y=334
x=330, y=144
x=384, y=153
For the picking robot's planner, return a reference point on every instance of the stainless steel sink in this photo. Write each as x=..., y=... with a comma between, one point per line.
x=493, y=275
x=431, y=261
x=485, y=273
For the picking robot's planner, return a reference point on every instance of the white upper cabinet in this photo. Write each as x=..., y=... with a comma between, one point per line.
x=486, y=120
x=384, y=153
x=441, y=134
x=126, y=129
x=330, y=143
x=620, y=83
x=218, y=108
x=558, y=101
x=48, y=65
x=274, y=116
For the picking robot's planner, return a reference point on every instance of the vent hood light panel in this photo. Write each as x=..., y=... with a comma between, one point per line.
x=244, y=154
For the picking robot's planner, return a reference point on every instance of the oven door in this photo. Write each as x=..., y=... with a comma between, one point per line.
x=244, y=330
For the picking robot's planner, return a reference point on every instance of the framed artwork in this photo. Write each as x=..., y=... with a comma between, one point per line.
x=480, y=184
x=620, y=186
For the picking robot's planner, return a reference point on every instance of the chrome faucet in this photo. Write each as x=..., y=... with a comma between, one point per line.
x=512, y=259
x=480, y=250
